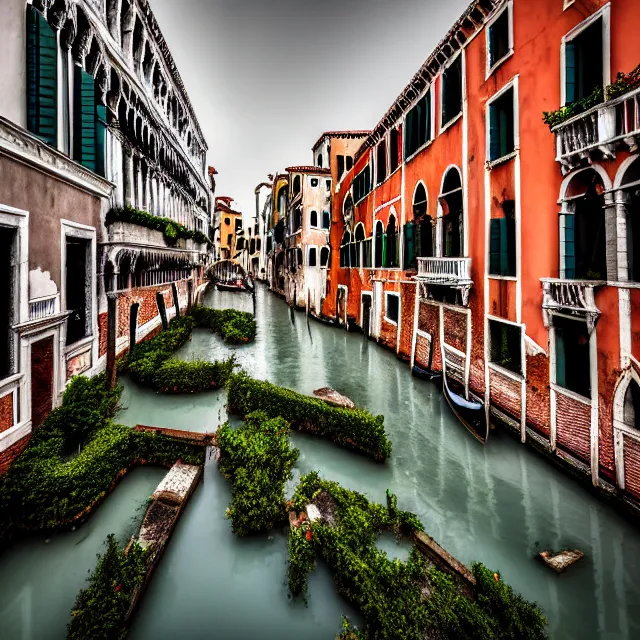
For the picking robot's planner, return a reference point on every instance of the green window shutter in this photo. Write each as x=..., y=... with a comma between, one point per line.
x=42, y=78
x=570, y=72
x=408, y=133
x=101, y=136
x=561, y=377
x=504, y=248
x=409, y=245
x=510, y=232
x=494, y=132
x=84, y=119
x=427, y=107
x=569, y=246
x=495, y=233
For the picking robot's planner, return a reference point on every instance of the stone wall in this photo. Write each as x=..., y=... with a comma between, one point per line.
x=6, y=412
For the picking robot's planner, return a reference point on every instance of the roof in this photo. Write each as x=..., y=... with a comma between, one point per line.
x=220, y=206
x=226, y=199
x=212, y=171
x=309, y=169
x=363, y=133
x=471, y=21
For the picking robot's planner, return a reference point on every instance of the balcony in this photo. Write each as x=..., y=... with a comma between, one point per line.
x=597, y=134
x=447, y=272
x=45, y=307
x=570, y=297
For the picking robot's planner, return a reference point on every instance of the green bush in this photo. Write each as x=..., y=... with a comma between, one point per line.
x=44, y=488
x=177, y=376
x=355, y=429
x=100, y=610
x=235, y=327
x=398, y=600
x=258, y=459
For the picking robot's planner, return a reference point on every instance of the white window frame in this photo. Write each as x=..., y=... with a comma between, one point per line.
x=604, y=13
x=508, y=7
x=496, y=367
x=387, y=294
x=432, y=132
x=443, y=126
x=512, y=84
x=308, y=263
x=328, y=265
x=317, y=225
x=311, y=179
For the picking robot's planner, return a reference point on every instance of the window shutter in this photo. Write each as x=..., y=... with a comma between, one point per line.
x=569, y=247
x=427, y=107
x=409, y=245
x=408, y=145
x=561, y=377
x=42, y=78
x=101, y=135
x=494, y=246
x=494, y=132
x=505, y=269
x=84, y=116
x=570, y=72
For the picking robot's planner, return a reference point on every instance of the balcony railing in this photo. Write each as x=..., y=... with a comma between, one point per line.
x=44, y=307
x=571, y=297
x=597, y=133
x=446, y=271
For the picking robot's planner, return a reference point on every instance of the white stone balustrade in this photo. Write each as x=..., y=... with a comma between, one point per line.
x=446, y=271
x=573, y=297
x=44, y=307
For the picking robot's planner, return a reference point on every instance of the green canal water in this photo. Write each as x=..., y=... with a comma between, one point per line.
x=500, y=504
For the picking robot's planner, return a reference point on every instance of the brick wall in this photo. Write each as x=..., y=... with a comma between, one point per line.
x=632, y=466
x=423, y=347
x=103, y=323
x=6, y=412
x=538, y=393
x=455, y=329
x=573, y=427
x=506, y=394
x=9, y=455
x=408, y=292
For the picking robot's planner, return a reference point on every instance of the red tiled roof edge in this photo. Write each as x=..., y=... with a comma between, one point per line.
x=342, y=134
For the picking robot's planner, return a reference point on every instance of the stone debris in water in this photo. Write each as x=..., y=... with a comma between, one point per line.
x=313, y=513
x=175, y=486
x=561, y=560
x=333, y=397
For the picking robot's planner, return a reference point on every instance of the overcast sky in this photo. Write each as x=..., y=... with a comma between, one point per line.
x=267, y=77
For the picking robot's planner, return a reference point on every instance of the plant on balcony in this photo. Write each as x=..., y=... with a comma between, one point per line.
x=171, y=230
x=624, y=83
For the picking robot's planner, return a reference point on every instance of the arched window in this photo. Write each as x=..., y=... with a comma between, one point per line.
x=423, y=222
x=632, y=205
x=297, y=220
x=347, y=209
x=379, y=248
x=313, y=219
x=282, y=200
x=312, y=257
x=324, y=257
x=296, y=185
x=344, y=249
x=452, y=219
x=392, y=244
x=358, y=244
x=320, y=160
x=326, y=220
x=632, y=405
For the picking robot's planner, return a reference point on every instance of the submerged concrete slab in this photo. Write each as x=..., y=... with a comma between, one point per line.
x=333, y=397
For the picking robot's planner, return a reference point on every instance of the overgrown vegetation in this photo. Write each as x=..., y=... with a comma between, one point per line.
x=399, y=600
x=100, y=610
x=149, y=363
x=235, y=327
x=622, y=85
x=258, y=459
x=355, y=429
x=74, y=458
x=171, y=230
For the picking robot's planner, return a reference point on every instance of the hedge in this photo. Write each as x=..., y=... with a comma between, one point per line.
x=46, y=488
x=100, y=610
x=401, y=600
x=235, y=327
x=258, y=459
x=354, y=429
x=149, y=363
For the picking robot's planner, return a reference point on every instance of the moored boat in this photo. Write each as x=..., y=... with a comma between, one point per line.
x=471, y=412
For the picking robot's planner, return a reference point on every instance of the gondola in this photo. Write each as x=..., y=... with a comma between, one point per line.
x=470, y=412
x=231, y=286
x=426, y=374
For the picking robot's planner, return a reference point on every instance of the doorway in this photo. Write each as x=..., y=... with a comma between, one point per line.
x=41, y=380
x=366, y=314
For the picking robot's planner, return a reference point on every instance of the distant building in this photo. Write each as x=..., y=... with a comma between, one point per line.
x=228, y=229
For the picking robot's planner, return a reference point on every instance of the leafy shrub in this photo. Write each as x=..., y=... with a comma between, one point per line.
x=44, y=489
x=101, y=609
x=235, y=327
x=302, y=560
x=177, y=376
x=352, y=428
x=258, y=459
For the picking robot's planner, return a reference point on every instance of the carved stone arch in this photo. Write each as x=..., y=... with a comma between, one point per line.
x=58, y=14
x=103, y=80
x=69, y=29
x=115, y=92
x=113, y=18
x=83, y=41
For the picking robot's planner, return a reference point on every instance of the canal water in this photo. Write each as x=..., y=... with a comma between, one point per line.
x=500, y=504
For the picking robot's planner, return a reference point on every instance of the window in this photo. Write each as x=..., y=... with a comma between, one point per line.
x=296, y=185
x=313, y=256
x=327, y=185
x=319, y=163
x=498, y=37
x=7, y=315
x=324, y=256
x=258, y=244
x=313, y=219
x=252, y=246
x=340, y=167
x=77, y=269
x=230, y=239
x=326, y=220
x=357, y=244
x=349, y=160
x=452, y=91
x=584, y=68
x=502, y=246
x=392, y=307
x=269, y=244
x=344, y=249
x=573, y=364
x=227, y=221
x=42, y=78
x=424, y=227
x=314, y=182
x=379, y=246
x=89, y=123
x=282, y=199
x=418, y=126
x=381, y=163
x=452, y=227
x=238, y=224
x=299, y=255
x=501, y=127
x=506, y=345
x=394, y=150
x=390, y=245
x=362, y=184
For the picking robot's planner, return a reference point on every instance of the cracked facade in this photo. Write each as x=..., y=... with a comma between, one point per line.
x=98, y=141
x=464, y=234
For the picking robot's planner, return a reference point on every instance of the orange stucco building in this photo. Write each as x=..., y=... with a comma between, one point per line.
x=472, y=236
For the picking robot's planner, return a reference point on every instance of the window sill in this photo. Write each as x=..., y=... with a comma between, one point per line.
x=490, y=164
x=499, y=63
x=78, y=346
x=492, y=276
x=14, y=434
x=450, y=123
x=570, y=394
x=518, y=377
x=393, y=322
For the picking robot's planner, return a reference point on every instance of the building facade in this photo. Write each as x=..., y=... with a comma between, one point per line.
x=228, y=229
x=99, y=149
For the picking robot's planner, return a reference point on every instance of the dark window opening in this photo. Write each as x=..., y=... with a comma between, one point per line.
x=452, y=91
x=506, y=345
x=452, y=227
x=585, y=242
x=498, y=35
x=381, y=163
x=340, y=166
x=238, y=224
x=357, y=246
x=349, y=160
x=362, y=184
x=633, y=234
x=299, y=256
x=326, y=220
x=344, y=249
x=320, y=160
x=379, y=247
x=258, y=244
x=394, y=150
x=391, y=253
x=584, y=69
x=313, y=219
x=418, y=125
x=227, y=221
x=7, y=237
x=501, y=127
x=632, y=405
x=230, y=239
x=296, y=185
x=314, y=182
x=252, y=246
x=297, y=220
x=77, y=288
x=392, y=307
x=312, y=257
x=573, y=365
x=502, y=243
x=327, y=184
x=269, y=244
x=324, y=256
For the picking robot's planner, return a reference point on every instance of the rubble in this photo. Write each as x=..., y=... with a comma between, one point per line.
x=331, y=396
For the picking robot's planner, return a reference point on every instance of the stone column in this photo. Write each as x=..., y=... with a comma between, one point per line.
x=112, y=333
x=127, y=177
x=611, y=236
x=623, y=244
x=128, y=25
x=114, y=8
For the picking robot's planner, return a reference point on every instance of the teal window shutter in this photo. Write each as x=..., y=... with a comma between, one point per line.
x=495, y=233
x=510, y=243
x=494, y=132
x=101, y=136
x=408, y=135
x=84, y=119
x=504, y=248
x=569, y=246
x=561, y=377
x=570, y=72
x=409, y=245
x=42, y=78
x=427, y=107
